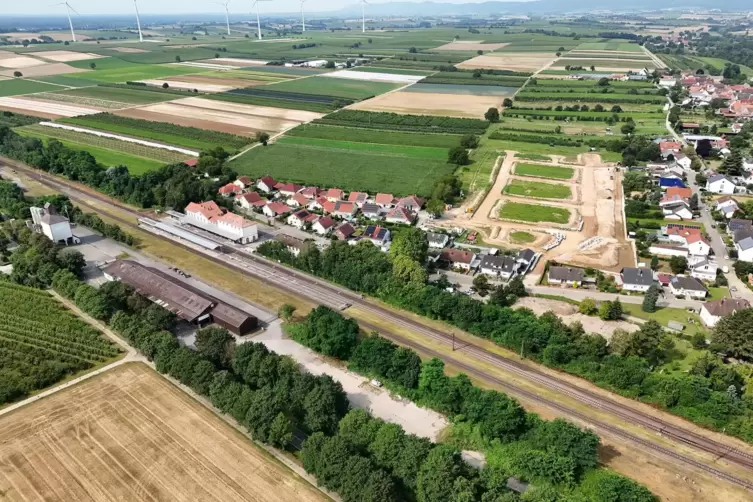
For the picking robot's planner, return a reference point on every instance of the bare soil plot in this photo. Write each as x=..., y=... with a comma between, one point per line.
x=129, y=434
x=233, y=83
x=518, y=61
x=47, y=109
x=18, y=62
x=45, y=70
x=569, y=314
x=420, y=103
x=234, y=118
x=185, y=83
x=65, y=56
x=469, y=45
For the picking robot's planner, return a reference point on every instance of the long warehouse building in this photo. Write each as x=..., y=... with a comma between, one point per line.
x=185, y=301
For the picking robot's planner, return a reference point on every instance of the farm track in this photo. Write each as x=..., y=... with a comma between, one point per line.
x=299, y=284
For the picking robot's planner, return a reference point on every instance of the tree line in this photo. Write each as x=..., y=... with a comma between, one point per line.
x=556, y=456
x=630, y=368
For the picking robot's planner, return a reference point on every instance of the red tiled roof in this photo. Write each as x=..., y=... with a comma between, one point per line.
x=328, y=206
x=401, y=213
x=209, y=209
x=306, y=216
x=345, y=230
x=345, y=207
x=249, y=197
x=245, y=180
x=191, y=162
x=326, y=222
x=269, y=181
x=454, y=255
x=229, y=188
x=384, y=199
x=334, y=193
x=300, y=199
x=278, y=207
x=357, y=196
x=310, y=192
x=234, y=220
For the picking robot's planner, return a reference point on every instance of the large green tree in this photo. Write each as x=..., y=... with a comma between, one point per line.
x=410, y=242
x=733, y=334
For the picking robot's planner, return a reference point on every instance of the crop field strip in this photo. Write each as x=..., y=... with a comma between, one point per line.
x=128, y=95
x=538, y=170
x=133, y=149
x=41, y=342
x=16, y=87
x=188, y=137
x=415, y=152
x=537, y=189
x=383, y=137
x=337, y=88
x=534, y=213
x=397, y=122
x=268, y=96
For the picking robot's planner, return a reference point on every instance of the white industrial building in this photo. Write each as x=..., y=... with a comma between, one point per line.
x=208, y=216
x=54, y=226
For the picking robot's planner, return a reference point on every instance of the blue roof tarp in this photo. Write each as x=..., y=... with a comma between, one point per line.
x=671, y=182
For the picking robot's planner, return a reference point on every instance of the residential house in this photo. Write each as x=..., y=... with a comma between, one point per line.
x=411, y=203
x=667, y=82
x=358, y=198
x=247, y=200
x=668, y=250
x=712, y=312
x=719, y=183
x=229, y=189
x=526, y=258
x=636, y=279
x=288, y=189
x=302, y=218
x=323, y=226
x=210, y=217
x=663, y=279
x=401, y=215
x=569, y=276
x=53, y=225
x=704, y=270
x=345, y=231
x=670, y=146
x=334, y=194
x=244, y=182
x=457, y=258
x=683, y=160
x=698, y=245
x=371, y=211
x=666, y=182
x=380, y=236
x=310, y=193
x=673, y=195
x=297, y=200
x=317, y=204
x=726, y=205
x=748, y=164
x=504, y=267
x=678, y=211
x=680, y=233
x=735, y=224
x=266, y=184
x=346, y=210
x=275, y=209
x=385, y=200
x=689, y=287
x=327, y=207
x=743, y=240
x=437, y=241
x=294, y=245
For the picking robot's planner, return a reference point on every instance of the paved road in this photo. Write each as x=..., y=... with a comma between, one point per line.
x=624, y=415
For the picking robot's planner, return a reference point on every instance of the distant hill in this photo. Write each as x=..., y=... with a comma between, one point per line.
x=532, y=7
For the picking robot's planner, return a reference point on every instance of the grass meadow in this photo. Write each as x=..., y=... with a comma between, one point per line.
x=18, y=86
x=534, y=213
x=537, y=189
x=553, y=172
x=338, y=87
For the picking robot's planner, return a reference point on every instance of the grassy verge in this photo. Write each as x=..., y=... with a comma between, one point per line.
x=554, y=172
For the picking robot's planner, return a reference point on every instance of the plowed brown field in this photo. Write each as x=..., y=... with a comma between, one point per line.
x=129, y=434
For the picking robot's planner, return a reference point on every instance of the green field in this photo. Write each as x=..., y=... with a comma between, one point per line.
x=17, y=86
x=534, y=213
x=248, y=99
x=134, y=72
x=394, y=71
x=369, y=171
x=533, y=156
x=538, y=150
x=537, y=189
x=321, y=131
x=104, y=156
x=609, y=45
x=188, y=137
x=328, y=145
x=554, y=172
x=521, y=237
x=121, y=95
x=337, y=87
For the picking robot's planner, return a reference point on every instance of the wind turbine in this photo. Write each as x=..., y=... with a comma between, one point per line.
x=68, y=10
x=303, y=20
x=227, y=15
x=258, y=23
x=363, y=16
x=138, y=21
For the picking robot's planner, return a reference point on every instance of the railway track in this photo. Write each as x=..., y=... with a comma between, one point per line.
x=299, y=284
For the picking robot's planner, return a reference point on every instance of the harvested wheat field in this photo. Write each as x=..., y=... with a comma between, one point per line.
x=469, y=45
x=46, y=109
x=200, y=80
x=129, y=434
x=517, y=61
x=45, y=70
x=19, y=62
x=65, y=56
x=425, y=103
x=234, y=118
x=239, y=62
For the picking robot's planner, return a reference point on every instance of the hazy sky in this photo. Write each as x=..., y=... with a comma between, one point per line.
x=89, y=7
